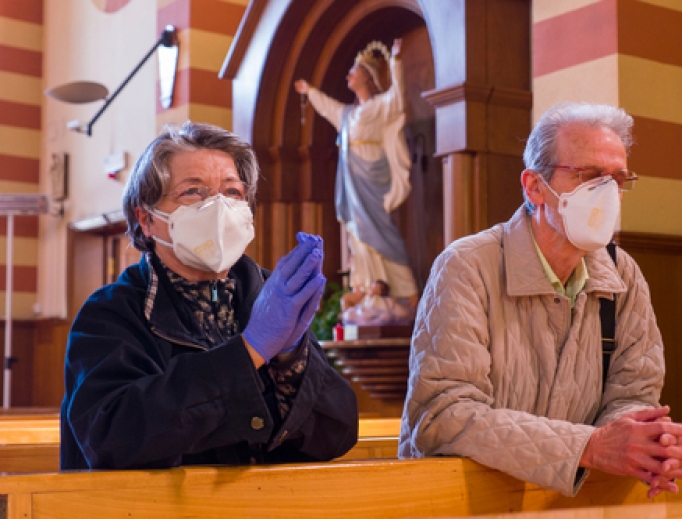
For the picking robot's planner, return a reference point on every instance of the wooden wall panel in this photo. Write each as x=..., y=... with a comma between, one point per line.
x=23, y=338
x=48, y=363
x=660, y=259
x=37, y=374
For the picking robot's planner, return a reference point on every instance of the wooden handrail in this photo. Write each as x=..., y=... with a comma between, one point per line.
x=370, y=489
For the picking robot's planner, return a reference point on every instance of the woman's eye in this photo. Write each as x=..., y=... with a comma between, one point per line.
x=192, y=191
x=234, y=193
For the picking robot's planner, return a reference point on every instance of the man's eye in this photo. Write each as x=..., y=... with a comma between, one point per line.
x=591, y=174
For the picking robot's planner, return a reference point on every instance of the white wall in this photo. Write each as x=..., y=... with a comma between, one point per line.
x=83, y=43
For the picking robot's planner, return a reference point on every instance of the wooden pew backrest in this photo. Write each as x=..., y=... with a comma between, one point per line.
x=435, y=487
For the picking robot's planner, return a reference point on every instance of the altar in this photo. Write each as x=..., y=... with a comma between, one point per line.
x=378, y=365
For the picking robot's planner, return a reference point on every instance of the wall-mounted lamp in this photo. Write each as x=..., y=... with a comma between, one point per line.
x=88, y=91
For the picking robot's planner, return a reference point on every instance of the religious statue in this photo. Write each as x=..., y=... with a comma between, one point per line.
x=372, y=176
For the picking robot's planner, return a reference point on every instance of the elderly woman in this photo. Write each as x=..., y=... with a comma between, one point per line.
x=372, y=177
x=197, y=355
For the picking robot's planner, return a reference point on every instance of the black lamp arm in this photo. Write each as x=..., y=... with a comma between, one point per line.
x=168, y=38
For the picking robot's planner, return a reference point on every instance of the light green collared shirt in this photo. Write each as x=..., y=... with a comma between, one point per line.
x=575, y=282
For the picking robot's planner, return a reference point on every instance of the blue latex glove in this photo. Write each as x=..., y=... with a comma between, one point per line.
x=310, y=308
x=276, y=311
x=306, y=316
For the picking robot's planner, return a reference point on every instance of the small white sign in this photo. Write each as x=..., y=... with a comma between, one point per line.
x=114, y=162
x=350, y=332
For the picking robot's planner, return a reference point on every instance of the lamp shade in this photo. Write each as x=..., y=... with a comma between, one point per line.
x=78, y=92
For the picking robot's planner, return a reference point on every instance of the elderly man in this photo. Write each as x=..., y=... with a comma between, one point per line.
x=506, y=361
x=197, y=355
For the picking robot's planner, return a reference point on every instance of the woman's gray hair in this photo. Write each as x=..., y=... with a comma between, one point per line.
x=150, y=176
x=541, y=151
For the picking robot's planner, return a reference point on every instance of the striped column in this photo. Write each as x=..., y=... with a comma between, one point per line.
x=206, y=29
x=626, y=53
x=21, y=36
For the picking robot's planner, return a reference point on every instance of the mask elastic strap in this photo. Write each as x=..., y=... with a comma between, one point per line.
x=549, y=187
x=164, y=218
x=160, y=215
x=162, y=242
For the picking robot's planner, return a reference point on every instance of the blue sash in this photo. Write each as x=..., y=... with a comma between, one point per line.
x=359, y=199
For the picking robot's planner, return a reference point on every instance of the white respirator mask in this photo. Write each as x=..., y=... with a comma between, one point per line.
x=590, y=212
x=210, y=235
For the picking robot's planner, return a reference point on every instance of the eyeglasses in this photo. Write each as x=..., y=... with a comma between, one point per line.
x=191, y=194
x=623, y=177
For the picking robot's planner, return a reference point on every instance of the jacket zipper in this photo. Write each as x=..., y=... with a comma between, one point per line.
x=175, y=341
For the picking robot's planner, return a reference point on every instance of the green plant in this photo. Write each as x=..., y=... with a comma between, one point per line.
x=328, y=315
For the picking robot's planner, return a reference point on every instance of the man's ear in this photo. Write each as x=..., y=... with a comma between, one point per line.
x=530, y=180
x=145, y=220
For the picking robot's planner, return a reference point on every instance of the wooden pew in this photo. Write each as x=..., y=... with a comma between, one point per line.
x=29, y=443
x=379, y=427
x=36, y=429
x=646, y=511
x=435, y=487
x=377, y=439
x=29, y=430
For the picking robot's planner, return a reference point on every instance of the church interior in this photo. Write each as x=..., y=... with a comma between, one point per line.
x=478, y=74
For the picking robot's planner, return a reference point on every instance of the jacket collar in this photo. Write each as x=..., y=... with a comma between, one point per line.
x=170, y=318
x=524, y=272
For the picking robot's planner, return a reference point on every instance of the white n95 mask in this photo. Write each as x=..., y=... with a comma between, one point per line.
x=590, y=212
x=210, y=235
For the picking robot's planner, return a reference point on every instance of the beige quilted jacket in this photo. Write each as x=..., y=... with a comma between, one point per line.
x=504, y=372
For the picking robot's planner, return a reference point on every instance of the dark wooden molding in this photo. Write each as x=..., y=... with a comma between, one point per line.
x=644, y=242
x=242, y=39
x=456, y=94
x=479, y=93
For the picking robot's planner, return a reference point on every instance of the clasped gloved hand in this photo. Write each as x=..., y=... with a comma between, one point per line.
x=310, y=308
x=288, y=301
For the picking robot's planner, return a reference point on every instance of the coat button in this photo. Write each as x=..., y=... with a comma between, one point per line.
x=557, y=300
x=257, y=423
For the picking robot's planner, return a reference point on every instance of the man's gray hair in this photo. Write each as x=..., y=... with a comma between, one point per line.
x=541, y=151
x=150, y=176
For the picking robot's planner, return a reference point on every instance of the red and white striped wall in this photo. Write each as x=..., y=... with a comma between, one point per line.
x=21, y=36
x=206, y=29
x=626, y=53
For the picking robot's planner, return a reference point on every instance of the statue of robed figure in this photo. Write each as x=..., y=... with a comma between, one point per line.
x=373, y=170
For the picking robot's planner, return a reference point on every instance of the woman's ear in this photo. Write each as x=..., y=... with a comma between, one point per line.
x=531, y=182
x=145, y=221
